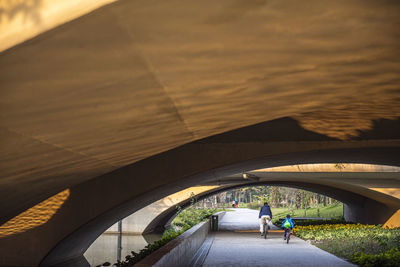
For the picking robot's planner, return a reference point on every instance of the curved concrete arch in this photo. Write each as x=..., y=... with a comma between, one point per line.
x=115, y=195
x=357, y=203
x=75, y=244
x=156, y=216
x=138, y=222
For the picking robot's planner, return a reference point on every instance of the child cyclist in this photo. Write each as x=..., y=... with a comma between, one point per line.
x=288, y=225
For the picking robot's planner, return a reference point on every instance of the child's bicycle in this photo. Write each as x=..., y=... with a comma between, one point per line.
x=288, y=234
x=265, y=222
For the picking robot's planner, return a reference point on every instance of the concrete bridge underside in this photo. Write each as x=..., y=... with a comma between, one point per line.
x=138, y=100
x=74, y=245
x=156, y=217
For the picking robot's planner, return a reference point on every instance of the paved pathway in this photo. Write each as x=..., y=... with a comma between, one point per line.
x=236, y=245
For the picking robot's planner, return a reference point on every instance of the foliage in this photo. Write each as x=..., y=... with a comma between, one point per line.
x=277, y=196
x=263, y=198
x=333, y=231
x=335, y=212
x=390, y=258
x=366, y=245
x=184, y=221
x=339, y=220
x=150, y=248
x=190, y=217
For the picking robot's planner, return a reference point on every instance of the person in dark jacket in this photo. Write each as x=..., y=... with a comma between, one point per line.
x=265, y=215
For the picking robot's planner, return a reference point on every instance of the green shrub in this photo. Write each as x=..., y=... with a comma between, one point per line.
x=367, y=245
x=191, y=216
x=150, y=248
x=340, y=220
x=184, y=221
x=390, y=258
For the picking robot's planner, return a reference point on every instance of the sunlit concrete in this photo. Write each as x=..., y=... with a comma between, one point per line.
x=394, y=220
x=35, y=216
x=24, y=19
x=364, y=179
x=141, y=99
x=329, y=167
x=395, y=192
x=138, y=222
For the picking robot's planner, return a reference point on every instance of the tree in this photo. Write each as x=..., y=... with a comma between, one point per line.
x=298, y=199
x=275, y=196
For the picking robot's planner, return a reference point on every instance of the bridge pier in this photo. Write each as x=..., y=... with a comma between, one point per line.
x=368, y=212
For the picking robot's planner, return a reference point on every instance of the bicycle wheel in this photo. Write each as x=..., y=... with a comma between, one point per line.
x=265, y=230
x=288, y=238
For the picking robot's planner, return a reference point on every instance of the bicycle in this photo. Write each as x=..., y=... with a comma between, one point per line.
x=288, y=234
x=265, y=222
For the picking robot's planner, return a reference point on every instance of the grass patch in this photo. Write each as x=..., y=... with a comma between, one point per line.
x=333, y=211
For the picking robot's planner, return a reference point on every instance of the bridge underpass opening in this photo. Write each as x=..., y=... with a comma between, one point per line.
x=325, y=172
x=112, y=245
x=79, y=241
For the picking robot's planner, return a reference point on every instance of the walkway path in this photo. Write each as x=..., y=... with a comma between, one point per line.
x=238, y=243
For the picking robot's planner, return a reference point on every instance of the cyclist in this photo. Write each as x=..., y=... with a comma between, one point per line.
x=287, y=225
x=265, y=216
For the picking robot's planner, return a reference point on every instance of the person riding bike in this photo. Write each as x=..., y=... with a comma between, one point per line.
x=287, y=225
x=265, y=216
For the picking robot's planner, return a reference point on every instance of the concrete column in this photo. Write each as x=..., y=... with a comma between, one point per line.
x=367, y=212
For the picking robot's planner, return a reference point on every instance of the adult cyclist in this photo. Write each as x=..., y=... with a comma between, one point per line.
x=265, y=216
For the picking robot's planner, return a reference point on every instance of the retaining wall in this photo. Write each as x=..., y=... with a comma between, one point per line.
x=181, y=250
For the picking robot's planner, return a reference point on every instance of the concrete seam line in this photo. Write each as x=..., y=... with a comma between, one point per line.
x=207, y=250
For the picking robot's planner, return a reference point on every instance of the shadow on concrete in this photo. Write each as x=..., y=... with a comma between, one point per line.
x=290, y=130
x=381, y=129
x=279, y=130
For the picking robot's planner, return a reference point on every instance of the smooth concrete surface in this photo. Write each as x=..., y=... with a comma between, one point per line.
x=179, y=251
x=119, y=94
x=76, y=243
x=385, y=181
x=144, y=219
x=238, y=247
x=249, y=249
x=141, y=99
